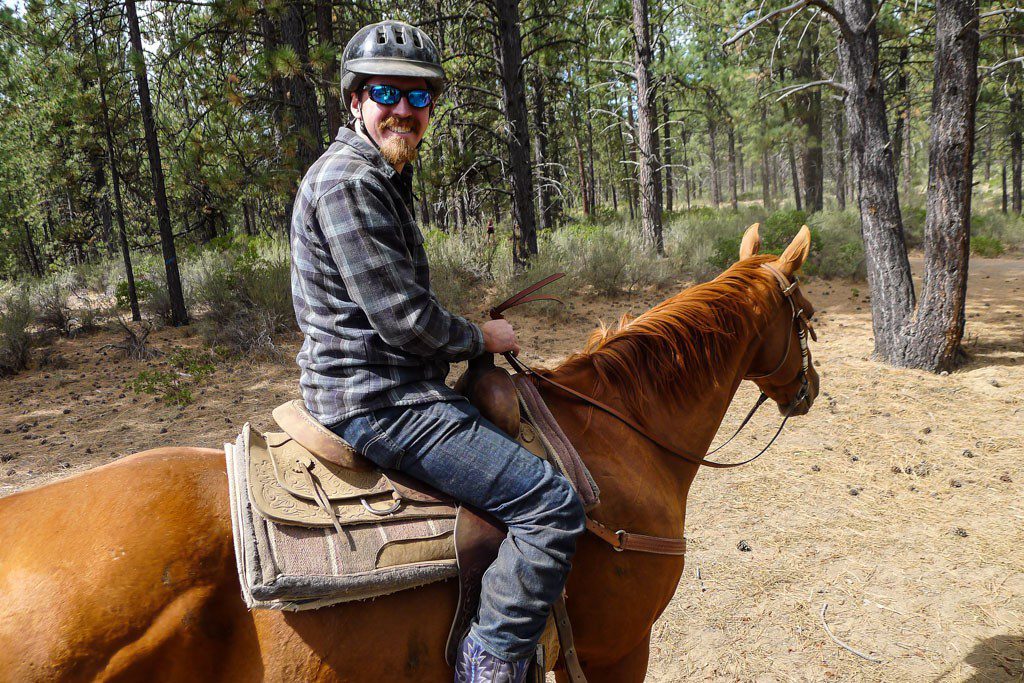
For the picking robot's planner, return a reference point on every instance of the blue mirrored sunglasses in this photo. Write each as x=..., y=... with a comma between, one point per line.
x=390, y=95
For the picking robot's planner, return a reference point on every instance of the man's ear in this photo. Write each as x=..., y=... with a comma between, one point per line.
x=353, y=106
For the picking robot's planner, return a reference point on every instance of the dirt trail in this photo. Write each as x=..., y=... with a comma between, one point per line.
x=897, y=501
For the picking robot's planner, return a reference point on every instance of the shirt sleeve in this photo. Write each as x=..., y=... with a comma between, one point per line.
x=367, y=244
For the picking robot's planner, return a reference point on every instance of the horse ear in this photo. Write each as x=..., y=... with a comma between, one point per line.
x=796, y=253
x=751, y=243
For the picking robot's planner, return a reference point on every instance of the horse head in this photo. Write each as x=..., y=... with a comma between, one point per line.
x=781, y=364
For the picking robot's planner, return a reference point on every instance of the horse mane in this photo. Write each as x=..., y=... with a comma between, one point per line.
x=675, y=348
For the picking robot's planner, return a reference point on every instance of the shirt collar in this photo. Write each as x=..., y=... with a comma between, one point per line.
x=352, y=139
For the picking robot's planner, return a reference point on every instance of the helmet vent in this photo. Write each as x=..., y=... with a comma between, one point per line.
x=400, y=35
x=417, y=40
x=382, y=35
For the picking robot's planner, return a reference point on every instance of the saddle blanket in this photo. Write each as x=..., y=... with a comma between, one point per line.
x=291, y=567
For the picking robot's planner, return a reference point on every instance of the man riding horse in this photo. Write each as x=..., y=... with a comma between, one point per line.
x=378, y=346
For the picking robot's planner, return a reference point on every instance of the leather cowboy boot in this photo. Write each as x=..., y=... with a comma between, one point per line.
x=475, y=665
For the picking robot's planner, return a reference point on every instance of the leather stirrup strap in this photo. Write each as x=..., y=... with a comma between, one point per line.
x=564, y=628
x=624, y=540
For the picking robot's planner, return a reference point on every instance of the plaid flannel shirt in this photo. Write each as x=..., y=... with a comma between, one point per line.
x=375, y=335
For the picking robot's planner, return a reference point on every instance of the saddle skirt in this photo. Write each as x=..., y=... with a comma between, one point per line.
x=311, y=532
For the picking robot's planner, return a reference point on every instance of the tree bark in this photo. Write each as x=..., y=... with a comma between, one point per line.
x=933, y=340
x=307, y=140
x=840, y=162
x=650, y=199
x=888, y=269
x=667, y=146
x=808, y=111
x=591, y=179
x=1016, y=156
x=540, y=151
x=766, y=194
x=329, y=73
x=684, y=137
x=509, y=48
x=179, y=316
x=734, y=199
x=716, y=190
x=115, y=176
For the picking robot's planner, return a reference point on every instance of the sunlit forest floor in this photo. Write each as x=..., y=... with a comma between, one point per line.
x=897, y=501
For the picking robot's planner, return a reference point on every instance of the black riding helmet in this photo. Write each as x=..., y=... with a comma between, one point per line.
x=390, y=48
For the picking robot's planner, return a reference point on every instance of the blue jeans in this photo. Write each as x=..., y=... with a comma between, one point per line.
x=450, y=446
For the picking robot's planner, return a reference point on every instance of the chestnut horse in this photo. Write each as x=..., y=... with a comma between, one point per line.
x=126, y=572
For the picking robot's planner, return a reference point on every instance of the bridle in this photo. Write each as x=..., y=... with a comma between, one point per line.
x=802, y=325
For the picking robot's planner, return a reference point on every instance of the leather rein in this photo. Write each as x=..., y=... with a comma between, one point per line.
x=623, y=540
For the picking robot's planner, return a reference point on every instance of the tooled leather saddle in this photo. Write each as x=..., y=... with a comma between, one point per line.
x=326, y=473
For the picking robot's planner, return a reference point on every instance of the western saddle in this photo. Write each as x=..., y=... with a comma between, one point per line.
x=477, y=535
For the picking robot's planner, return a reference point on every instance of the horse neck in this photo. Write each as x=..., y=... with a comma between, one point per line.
x=629, y=467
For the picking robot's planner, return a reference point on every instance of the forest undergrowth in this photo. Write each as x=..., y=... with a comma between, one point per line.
x=238, y=288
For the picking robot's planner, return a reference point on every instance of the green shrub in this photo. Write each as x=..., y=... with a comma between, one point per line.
x=191, y=369
x=551, y=258
x=193, y=363
x=16, y=315
x=144, y=289
x=1007, y=228
x=779, y=229
x=171, y=388
x=986, y=247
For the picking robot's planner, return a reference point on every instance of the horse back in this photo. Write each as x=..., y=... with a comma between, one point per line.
x=104, y=570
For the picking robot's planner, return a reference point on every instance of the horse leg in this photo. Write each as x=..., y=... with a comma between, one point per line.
x=631, y=668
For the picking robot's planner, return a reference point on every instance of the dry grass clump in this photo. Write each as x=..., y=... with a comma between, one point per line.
x=245, y=298
x=16, y=316
x=53, y=305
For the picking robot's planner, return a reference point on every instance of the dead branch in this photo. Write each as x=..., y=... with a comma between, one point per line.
x=841, y=643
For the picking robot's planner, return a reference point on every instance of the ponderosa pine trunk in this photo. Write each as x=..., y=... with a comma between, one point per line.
x=329, y=72
x=509, y=48
x=932, y=340
x=667, y=146
x=808, y=112
x=766, y=193
x=540, y=152
x=179, y=316
x=646, y=142
x=716, y=190
x=306, y=139
x=888, y=269
x=1016, y=151
x=115, y=176
x=733, y=198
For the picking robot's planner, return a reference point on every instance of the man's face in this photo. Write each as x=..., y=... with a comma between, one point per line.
x=398, y=128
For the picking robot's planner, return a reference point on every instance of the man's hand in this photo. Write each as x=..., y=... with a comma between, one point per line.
x=499, y=337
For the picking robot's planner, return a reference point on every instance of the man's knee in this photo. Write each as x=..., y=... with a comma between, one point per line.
x=565, y=508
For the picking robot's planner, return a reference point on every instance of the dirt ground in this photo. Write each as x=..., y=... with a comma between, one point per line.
x=896, y=502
